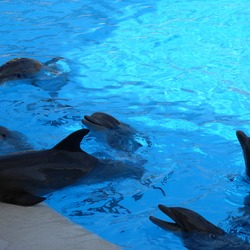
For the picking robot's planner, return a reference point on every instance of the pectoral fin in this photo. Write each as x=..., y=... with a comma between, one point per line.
x=21, y=198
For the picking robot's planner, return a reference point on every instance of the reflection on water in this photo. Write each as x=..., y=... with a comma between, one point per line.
x=108, y=197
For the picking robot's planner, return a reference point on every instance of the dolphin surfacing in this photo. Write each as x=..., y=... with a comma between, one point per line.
x=26, y=176
x=117, y=134
x=196, y=232
x=185, y=220
x=19, y=68
x=23, y=68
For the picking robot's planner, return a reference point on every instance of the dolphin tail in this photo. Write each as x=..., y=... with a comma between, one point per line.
x=20, y=197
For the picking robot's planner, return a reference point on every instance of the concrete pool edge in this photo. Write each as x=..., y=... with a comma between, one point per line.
x=40, y=227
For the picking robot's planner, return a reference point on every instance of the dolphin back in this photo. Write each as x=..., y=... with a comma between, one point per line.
x=24, y=176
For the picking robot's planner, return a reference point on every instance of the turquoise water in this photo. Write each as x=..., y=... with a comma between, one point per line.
x=178, y=71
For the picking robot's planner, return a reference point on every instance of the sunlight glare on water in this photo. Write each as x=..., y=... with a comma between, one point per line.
x=177, y=71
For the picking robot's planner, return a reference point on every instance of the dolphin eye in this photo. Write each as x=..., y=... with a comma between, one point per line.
x=19, y=75
x=3, y=135
x=212, y=236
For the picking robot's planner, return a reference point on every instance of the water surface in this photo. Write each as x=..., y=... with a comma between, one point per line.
x=178, y=71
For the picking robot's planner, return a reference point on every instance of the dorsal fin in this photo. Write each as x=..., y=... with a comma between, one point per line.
x=72, y=142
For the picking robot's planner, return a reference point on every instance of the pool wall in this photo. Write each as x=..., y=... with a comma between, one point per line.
x=39, y=227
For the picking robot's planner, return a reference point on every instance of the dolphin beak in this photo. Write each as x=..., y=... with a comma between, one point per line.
x=88, y=118
x=92, y=123
x=242, y=137
x=92, y=119
x=172, y=226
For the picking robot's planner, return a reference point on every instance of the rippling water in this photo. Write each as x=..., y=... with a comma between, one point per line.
x=178, y=71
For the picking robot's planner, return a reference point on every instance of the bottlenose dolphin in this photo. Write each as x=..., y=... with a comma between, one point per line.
x=118, y=135
x=22, y=68
x=245, y=145
x=12, y=141
x=25, y=176
x=196, y=232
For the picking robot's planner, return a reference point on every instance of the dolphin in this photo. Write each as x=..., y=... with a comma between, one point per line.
x=22, y=68
x=12, y=141
x=118, y=135
x=186, y=220
x=244, y=141
x=26, y=176
x=196, y=232
x=19, y=68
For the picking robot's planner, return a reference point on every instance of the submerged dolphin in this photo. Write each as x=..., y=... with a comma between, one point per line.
x=25, y=176
x=118, y=135
x=197, y=232
x=12, y=141
x=244, y=141
x=21, y=68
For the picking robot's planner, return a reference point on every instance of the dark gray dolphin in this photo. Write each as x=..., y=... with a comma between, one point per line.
x=12, y=141
x=25, y=176
x=118, y=135
x=19, y=68
x=22, y=68
x=196, y=232
x=244, y=141
x=185, y=220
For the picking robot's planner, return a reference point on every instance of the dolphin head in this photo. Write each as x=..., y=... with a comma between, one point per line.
x=3, y=133
x=12, y=141
x=19, y=68
x=244, y=141
x=116, y=134
x=100, y=121
x=185, y=220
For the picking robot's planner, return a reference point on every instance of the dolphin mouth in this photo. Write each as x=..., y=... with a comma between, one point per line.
x=242, y=137
x=91, y=120
x=172, y=214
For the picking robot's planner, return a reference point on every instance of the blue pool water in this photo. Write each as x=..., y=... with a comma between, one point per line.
x=178, y=71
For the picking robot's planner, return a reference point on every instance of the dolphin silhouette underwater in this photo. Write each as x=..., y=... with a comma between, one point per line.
x=24, y=176
x=118, y=135
x=12, y=141
x=244, y=141
x=22, y=68
x=196, y=232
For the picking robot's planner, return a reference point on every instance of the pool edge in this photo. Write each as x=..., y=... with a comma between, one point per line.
x=40, y=227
